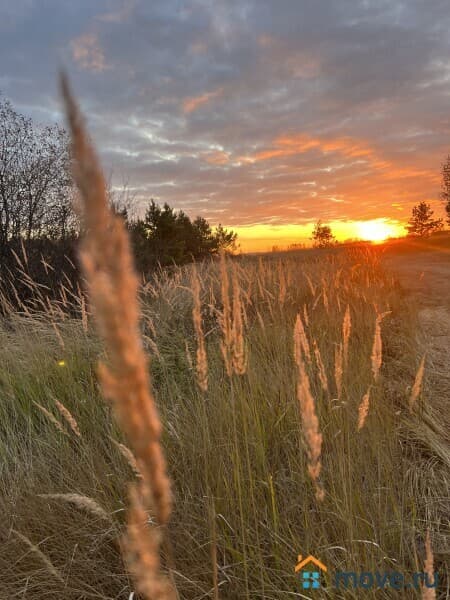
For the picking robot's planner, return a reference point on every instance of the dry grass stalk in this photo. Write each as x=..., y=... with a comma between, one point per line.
x=225, y=317
x=51, y=418
x=188, y=355
x=320, y=366
x=326, y=304
x=113, y=285
x=377, y=350
x=338, y=368
x=377, y=346
x=238, y=346
x=363, y=410
x=141, y=546
x=81, y=502
x=68, y=417
x=282, y=284
x=36, y=550
x=417, y=387
x=201, y=358
x=129, y=457
x=300, y=335
x=305, y=315
x=310, y=422
x=346, y=330
x=428, y=593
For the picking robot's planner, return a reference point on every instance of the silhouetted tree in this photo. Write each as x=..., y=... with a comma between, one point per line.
x=35, y=183
x=322, y=235
x=166, y=236
x=422, y=223
x=445, y=188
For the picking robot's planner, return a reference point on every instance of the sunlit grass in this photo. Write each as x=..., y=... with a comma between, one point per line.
x=245, y=505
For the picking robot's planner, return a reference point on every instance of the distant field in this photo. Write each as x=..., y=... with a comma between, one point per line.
x=238, y=454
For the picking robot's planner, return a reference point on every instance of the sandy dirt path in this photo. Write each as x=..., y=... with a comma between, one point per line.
x=426, y=277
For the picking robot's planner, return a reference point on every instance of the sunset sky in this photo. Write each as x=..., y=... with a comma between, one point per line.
x=264, y=115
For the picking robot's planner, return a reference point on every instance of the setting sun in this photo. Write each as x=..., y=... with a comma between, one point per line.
x=378, y=230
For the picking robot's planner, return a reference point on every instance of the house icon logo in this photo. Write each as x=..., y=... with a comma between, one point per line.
x=310, y=568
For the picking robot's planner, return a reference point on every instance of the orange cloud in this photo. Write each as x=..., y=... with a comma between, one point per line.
x=194, y=102
x=286, y=145
x=290, y=145
x=87, y=53
x=217, y=158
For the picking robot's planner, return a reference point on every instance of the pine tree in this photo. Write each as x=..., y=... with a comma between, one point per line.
x=421, y=222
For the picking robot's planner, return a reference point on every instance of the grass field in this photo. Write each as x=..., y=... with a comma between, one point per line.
x=245, y=504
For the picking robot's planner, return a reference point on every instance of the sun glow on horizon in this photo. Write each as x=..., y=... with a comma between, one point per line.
x=377, y=230
x=263, y=237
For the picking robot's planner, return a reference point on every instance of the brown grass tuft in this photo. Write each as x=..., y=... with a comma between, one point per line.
x=320, y=366
x=81, y=502
x=417, y=387
x=301, y=337
x=310, y=422
x=68, y=417
x=346, y=330
x=201, y=358
x=225, y=317
x=238, y=344
x=363, y=410
x=338, y=368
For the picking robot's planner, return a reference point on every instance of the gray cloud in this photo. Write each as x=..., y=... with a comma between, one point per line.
x=202, y=104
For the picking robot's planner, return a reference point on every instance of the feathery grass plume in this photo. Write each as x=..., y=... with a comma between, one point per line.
x=417, y=387
x=225, y=317
x=320, y=366
x=81, y=502
x=68, y=417
x=129, y=457
x=108, y=267
x=346, y=330
x=326, y=304
x=201, y=363
x=310, y=422
x=51, y=418
x=305, y=315
x=338, y=368
x=428, y=593
x=363, y=410
x=238, y=345
x=141, y=550
x=377, y=346
x=44, y=558
x=282, y=284
x=188, y=355
x=113, y=285
x=300, y=334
